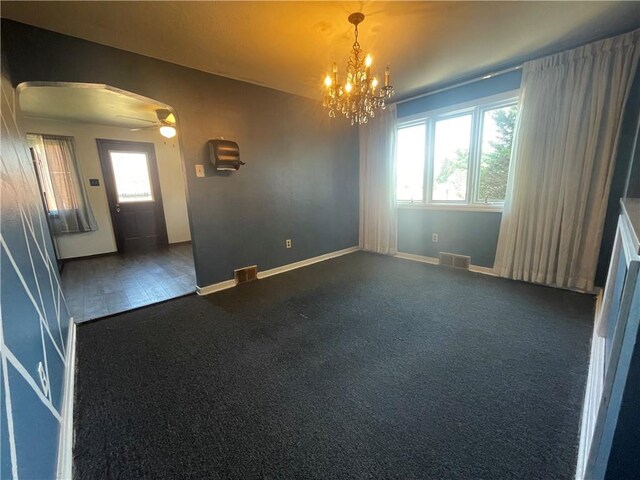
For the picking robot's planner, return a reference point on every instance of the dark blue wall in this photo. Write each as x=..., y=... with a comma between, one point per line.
x=466, y=93
x=633, y=184
x=624, y=177
x=464, y=232
x=301, y=177
x=34, y=320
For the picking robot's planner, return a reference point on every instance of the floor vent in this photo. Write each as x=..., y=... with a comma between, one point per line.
x=246, y=274
x=455, y=261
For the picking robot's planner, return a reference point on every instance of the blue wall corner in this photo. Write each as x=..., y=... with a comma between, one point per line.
x=35, y=320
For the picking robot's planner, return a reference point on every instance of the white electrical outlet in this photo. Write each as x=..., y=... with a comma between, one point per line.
x=199, y=170
x=434, y=237
x=287, y=243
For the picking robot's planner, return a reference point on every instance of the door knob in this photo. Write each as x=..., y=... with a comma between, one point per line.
x=118, y=209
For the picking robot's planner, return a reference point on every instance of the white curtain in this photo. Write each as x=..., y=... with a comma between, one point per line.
x=378, y=183
x=563, y=159
x=68, y=206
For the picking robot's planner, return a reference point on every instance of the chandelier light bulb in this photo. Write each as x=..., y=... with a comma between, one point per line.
x=368, y=61
x=327, y=81
x=374, y=82
x=348, y=87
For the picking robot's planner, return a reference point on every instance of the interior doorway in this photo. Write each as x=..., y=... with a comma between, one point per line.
x=134, y=195
x=111, y=165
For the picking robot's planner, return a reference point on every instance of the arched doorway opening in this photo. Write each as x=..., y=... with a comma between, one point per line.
x=110, y=170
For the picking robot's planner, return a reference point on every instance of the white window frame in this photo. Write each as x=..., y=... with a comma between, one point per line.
x=476, y=108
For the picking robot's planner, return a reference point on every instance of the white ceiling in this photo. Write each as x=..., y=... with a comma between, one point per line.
x=88, y=103
x=289, y=45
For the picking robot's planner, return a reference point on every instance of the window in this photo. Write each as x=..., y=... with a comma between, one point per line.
x=60, y=184
x=410, y=172
x=458, y=156
x=45, y=182
x=451, y=142
x=52, y=171
x=131, y=175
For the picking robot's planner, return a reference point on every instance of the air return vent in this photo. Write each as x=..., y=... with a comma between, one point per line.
x=455, y=261
x=246, y=274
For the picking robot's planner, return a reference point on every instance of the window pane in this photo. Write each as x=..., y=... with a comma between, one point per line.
x=495, y=153
x=451, y=158
x=131, y=174
x=36, y=147
x=410, y=163
x=45, y=175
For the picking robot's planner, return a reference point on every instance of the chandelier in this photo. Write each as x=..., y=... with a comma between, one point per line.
x=358, y=98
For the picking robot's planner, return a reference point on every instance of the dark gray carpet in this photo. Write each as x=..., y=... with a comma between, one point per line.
x=359, y=367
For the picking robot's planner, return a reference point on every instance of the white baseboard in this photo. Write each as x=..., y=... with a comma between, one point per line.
x=308, y=261
x=216, y=287
x=64, y=468
x=436, y=261
x=418, y=258
x=483, y=270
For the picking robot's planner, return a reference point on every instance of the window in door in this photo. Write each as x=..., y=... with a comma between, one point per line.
x=131, y=175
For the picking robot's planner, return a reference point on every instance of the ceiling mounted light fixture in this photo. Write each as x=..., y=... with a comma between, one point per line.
x=357, y=99
x=168, y=131
x=166, y=123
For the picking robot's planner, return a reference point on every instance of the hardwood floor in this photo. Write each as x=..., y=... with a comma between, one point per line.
x=96, y=287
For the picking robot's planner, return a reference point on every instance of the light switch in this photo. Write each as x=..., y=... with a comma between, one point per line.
x=199, y=170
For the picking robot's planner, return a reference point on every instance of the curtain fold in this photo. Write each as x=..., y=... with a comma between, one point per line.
x=563, y=160
x=378, y=182
x=69, y=207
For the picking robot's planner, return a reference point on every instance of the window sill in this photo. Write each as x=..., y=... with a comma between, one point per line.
x=450, y=207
